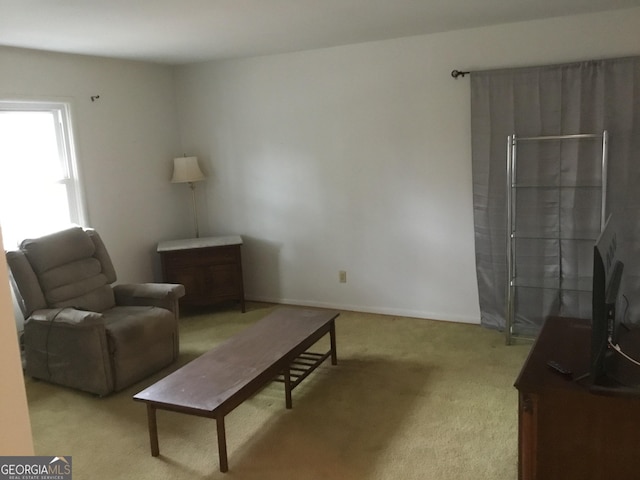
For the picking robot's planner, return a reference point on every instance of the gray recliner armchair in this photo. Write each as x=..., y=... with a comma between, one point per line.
x=82, y=332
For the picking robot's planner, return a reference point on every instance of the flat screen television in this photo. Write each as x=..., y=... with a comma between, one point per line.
x=605, y=327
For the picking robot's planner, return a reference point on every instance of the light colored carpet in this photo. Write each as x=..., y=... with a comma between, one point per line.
x=409, y=399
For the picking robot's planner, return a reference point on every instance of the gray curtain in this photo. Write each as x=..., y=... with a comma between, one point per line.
x=586, y=97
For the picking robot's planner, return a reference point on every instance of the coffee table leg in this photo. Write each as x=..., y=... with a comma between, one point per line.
x=287, y=388
x=222, y=444
x=332, y=336
x=153, y=430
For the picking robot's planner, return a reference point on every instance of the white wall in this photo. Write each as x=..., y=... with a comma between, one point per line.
x=125, y=142
x=357, y=158
x=353, y=158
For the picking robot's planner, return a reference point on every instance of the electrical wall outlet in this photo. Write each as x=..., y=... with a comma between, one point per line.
x=342, y=275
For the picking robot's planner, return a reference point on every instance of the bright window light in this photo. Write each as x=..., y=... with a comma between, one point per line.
x=39, y=190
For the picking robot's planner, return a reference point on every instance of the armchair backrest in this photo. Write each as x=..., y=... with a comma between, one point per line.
x=70, y=268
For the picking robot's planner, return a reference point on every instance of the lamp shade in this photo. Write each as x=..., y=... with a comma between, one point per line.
x=186, y=169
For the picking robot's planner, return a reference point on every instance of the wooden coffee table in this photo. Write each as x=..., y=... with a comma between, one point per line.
x=215, y=383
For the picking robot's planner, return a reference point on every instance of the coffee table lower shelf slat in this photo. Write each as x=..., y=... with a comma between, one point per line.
x=304, y=368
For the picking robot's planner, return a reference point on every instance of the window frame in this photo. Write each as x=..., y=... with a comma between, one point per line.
x=64, y=131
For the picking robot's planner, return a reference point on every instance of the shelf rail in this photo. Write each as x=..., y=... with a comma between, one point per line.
x=512, y=153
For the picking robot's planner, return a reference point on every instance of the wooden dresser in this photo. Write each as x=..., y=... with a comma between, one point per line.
x=565, y=431
x=209, y=268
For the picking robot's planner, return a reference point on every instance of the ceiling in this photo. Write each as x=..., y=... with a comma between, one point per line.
x=186, y=31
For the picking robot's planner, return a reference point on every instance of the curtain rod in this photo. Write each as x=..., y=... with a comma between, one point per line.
x=458, y=73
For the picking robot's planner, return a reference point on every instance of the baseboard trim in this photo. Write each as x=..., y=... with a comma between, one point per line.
x=439, y=316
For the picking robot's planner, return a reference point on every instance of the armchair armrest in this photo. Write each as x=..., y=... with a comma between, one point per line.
x=67, y=316
x=69, y=347
x=163, y=295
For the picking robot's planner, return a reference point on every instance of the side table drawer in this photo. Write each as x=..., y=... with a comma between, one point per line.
x=202, y=256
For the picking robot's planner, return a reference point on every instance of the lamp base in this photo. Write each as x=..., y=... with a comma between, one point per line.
x=192, y=186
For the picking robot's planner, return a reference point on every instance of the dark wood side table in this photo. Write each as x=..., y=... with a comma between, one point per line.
x=564, y=430
x=209, y=268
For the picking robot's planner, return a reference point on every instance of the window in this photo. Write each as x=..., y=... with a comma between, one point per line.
x=39, y=188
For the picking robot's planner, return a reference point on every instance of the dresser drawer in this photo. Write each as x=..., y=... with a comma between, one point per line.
x=210, y=275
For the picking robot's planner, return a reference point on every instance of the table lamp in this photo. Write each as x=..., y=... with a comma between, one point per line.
x=187, y=170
